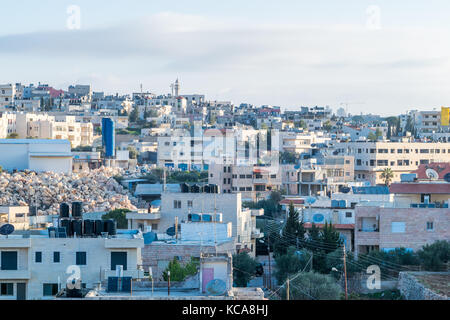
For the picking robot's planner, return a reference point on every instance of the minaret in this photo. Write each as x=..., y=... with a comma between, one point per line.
x=177, y=87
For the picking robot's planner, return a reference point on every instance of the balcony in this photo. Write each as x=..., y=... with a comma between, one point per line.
x=257, y=234
x=15, y=274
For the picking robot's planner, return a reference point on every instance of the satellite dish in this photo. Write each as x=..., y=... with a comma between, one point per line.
x=216, y=287
x=447, y=177
x=171, y=231
x=432, y=174
x=6, y=229
x=318, y=217
x=310, y=200
x=345, y=190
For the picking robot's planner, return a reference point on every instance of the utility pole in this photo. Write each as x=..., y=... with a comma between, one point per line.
x=150, y=274
x=287, y=289
x=168, y=283
x=345, y=274
x=270, y=267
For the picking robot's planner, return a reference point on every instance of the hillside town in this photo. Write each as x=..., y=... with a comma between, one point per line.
x=172, y=196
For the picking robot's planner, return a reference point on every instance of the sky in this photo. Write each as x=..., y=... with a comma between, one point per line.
x=380, y=57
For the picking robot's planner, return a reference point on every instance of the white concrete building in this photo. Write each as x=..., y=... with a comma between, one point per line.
x=36, y=267
x=371, y=158
x=243, y=221
x=7, y=93
x=36, y=155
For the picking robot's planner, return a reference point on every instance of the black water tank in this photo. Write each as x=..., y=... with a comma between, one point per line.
x=184, y=188
x=65, y=223
x=88, y=227
x=77, y=210
x=77, y=227
x=195, y=188
x=207, y=189
x=98, y=227
x=64, y=210
x=111, y=227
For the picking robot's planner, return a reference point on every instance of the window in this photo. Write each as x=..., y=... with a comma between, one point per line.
x=56, y=257
x=242, y=176
x=7, y=289
x=430, y=226
x=224, y=169
x=38, y=257
x=80, y=258
x=398, y=227
x=176, y=204
x=50, y=289
x=260, y=188
x=358, y=162
x=118, y=259
x=249, y=176
x=9, y=260
x=154, y=226
x=348, y=214
x=189, y=203
x=273, y=176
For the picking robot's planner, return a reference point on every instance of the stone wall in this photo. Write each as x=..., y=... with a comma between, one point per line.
x=411, y=288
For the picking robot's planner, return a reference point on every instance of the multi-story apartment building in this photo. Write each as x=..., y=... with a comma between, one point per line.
x=36, y=266
x=7, y=124
x=300, y=142
x=253, y=182
x=312, y=177
x=197, y=148
x=226, y=205
x=7, y=94
x=44, y=126
x=418, y=215
x=433, y=124
x=371, y=158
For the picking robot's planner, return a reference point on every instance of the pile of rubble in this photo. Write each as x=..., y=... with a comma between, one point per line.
x=97, y=189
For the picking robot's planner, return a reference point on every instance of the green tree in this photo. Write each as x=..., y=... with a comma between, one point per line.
x=293, y=233
x=313, y=286
x=133, y=153
x=287, y=157
x=335, y=263
x=119, y=215
x=327, y=125
x=301, y=124
x=290, y=263
x=434, y=256
x=330, y=238
x=322, y=242
x=179, y=272
x=134, y=115
x=244, y=268
x=387, y=176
